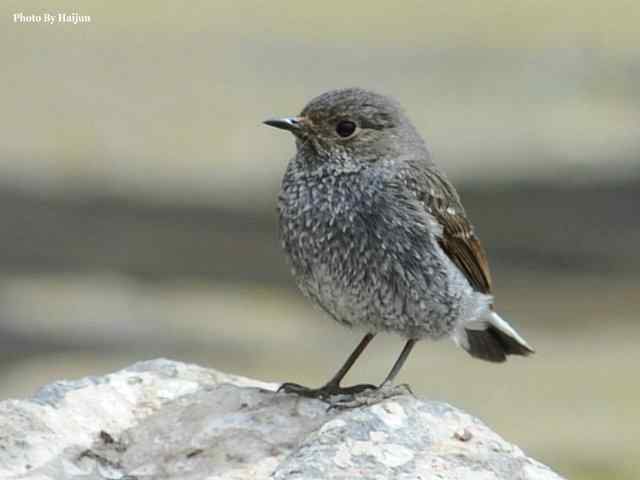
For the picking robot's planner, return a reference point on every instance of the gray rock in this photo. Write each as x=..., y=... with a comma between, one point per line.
x=163, y=419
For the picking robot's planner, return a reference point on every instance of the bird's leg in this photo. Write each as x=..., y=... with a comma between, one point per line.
x=332, y=387
x=399, y=362
x=386, y=389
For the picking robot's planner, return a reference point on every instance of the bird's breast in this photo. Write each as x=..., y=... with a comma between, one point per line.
x=348, y=229
x=365, y=254
x=322, y=219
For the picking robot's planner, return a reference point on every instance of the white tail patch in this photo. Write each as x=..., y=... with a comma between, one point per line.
x=497, y=321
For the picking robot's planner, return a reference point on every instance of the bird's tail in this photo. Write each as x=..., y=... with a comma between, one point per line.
x=492, y=339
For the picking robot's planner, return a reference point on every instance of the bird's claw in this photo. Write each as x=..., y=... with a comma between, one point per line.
x=326, y=392
x=368, y=398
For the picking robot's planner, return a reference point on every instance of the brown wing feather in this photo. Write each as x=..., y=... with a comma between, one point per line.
x=463, y=247
x=458, y=239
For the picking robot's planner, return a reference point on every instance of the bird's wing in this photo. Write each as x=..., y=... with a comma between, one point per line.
x=458, y=239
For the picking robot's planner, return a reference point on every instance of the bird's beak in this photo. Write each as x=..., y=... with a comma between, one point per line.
x=293, y=124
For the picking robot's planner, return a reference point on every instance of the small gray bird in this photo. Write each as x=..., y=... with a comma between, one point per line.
x=377, y=236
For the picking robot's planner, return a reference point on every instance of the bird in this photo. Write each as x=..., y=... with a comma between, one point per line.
x=377, y=236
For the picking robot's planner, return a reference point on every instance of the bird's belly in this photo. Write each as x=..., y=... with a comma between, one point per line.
x=382, y=294
x=367, y=269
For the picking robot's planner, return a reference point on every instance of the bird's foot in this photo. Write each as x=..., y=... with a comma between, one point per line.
x=326, y=392
x=371, y=397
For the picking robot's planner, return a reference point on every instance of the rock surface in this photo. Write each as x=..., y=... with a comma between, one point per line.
x=163, y=419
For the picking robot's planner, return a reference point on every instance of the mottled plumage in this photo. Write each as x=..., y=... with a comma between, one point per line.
x=376, y=234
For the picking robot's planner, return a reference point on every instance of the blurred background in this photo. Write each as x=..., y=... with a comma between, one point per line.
x=137, y=196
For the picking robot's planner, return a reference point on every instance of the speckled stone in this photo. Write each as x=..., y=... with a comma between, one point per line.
x=163, y=419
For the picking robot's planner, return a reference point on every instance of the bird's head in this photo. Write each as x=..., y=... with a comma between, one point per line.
x=352, y=125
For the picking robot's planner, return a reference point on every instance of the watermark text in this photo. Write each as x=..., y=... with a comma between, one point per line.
x=51, y=18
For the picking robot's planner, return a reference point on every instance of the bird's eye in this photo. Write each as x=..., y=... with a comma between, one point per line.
x=345, y=128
